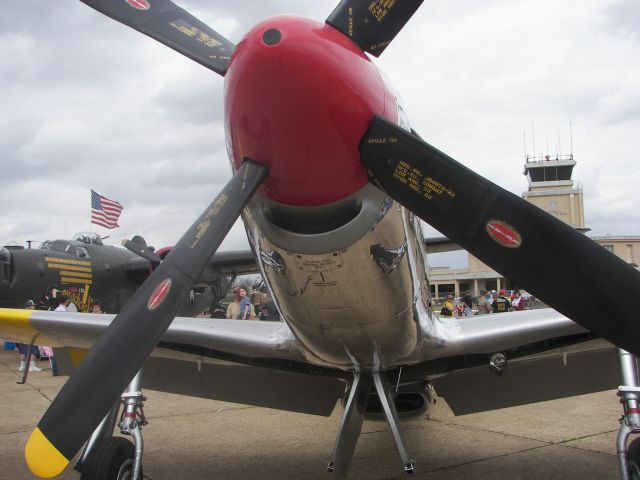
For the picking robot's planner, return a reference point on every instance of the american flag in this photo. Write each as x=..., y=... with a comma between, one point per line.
x=104, y=212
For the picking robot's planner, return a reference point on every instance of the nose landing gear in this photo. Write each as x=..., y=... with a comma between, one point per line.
x=629, y=392
x=107, y=457
x=113, y=460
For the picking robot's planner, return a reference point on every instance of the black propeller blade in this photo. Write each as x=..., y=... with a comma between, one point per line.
x=372, y=24
x=169, y=24
x=125, y=345
x=543, y=255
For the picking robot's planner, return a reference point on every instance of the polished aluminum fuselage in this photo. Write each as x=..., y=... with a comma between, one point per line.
x=357, y=295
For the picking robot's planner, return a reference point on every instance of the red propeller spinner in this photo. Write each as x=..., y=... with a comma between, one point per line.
x=299, y=95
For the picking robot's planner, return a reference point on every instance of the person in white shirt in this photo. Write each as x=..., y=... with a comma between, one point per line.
x=62, y=307
x=64, y=303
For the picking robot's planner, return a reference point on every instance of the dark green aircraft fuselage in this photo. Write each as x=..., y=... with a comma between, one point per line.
x=81, y=271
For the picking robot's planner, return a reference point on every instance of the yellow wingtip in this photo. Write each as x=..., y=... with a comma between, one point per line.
x=15, y=324
x=43, y=459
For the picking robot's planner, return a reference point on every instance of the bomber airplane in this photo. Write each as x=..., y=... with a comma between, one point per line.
x=331, y=183
x=84, y=269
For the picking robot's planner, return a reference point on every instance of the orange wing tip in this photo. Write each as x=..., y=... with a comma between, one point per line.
x=43, y=459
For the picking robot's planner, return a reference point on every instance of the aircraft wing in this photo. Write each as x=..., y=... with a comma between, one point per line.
x=268, y=342
x=510, y=332
x=250, y=362
x=548, y=356
x=263, y=364
x=564, y=372
x=237, y=262
x=440, y=245
x=228, y=263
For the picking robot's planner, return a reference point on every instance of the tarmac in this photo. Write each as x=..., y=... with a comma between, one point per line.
x=188, y=438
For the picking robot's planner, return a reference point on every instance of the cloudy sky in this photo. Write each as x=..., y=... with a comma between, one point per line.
x=88, y=103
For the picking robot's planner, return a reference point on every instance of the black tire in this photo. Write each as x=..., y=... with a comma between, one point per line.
x=633, y=459
x=112, y=460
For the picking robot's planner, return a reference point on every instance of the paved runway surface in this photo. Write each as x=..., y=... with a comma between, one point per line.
x=190, y=438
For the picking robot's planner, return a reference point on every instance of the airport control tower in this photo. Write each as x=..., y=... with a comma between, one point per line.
x=552, y=190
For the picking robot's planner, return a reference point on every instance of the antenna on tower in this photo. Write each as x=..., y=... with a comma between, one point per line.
x=533, y=140
x=559, y=152
x=571, y=138
x=524, y=145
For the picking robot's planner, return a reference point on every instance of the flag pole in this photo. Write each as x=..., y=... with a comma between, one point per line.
x=91, y=217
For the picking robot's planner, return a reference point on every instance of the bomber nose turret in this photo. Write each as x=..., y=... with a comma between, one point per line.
x=5, y=278
x=5, y=267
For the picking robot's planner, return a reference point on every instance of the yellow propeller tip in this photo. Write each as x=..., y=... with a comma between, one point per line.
x=43, y=459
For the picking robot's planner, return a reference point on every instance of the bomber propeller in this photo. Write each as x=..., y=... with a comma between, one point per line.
x=138, y=246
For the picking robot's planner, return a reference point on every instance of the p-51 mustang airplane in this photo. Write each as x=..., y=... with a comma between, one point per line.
x=330, y=182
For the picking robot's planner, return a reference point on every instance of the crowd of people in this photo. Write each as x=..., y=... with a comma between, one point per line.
x=488, y=302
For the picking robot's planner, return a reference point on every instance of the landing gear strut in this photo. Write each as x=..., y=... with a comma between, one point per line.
x=629, y=393
x=107, y=457
x=353, y=417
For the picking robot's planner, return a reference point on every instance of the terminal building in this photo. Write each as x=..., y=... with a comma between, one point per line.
x=552, y=189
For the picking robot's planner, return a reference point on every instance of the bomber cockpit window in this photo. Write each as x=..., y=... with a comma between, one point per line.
x=56, y=245
x=82, y=252
x=60, y=246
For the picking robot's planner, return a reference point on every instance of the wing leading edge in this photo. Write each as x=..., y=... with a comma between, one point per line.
x=444, y=338
x=81, y=330
x=263, y=364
